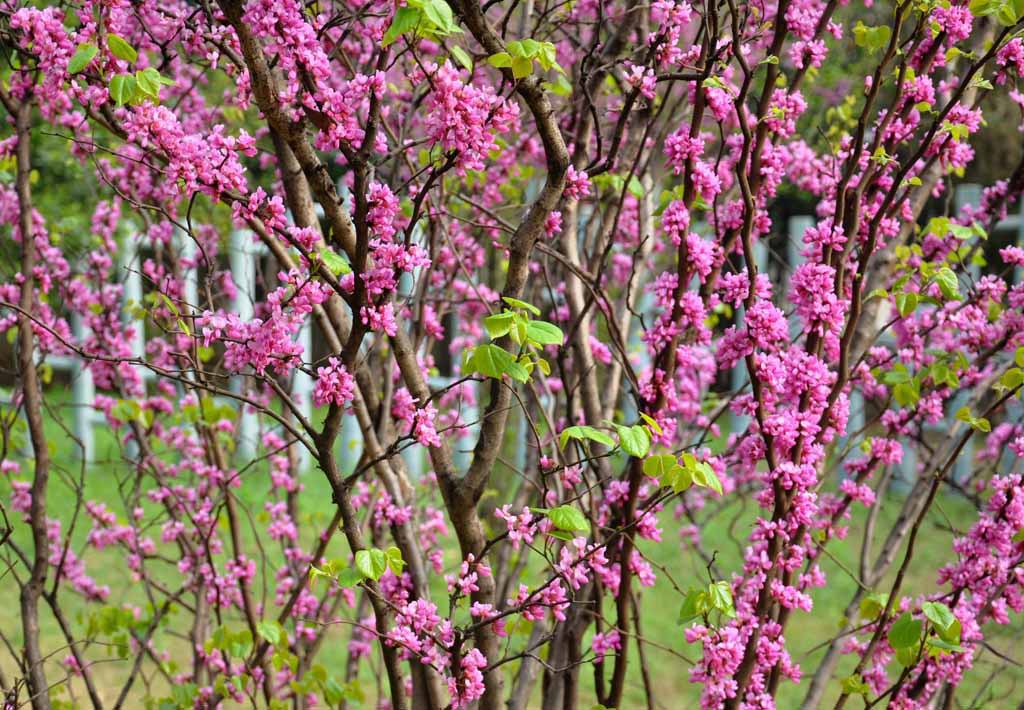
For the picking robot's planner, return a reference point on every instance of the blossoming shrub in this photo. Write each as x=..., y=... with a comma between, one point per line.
x=544, y=253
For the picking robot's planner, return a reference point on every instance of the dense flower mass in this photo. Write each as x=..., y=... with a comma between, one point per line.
x=432, y=354
x=334, y=385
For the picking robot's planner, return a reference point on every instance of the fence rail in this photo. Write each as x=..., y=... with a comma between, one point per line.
x=245, y=255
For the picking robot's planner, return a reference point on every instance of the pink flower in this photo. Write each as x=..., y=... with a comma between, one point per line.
x=1012, y=255
x=381, y=318
x=464, y=117
x=334, y=384
x=469, y=685
x=603, y=644
x=520, y=527
x=642, y=79
x=577, y=184
x=423, y=426
x=553, y=223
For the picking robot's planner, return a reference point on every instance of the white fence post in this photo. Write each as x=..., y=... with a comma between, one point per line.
x=83, y=394
x=302, y=387
x=738, y=375
x=243, y=273
x=796, y=226
x=966, y=194
x=127, y=258
x=463, y=455
x=189, y=250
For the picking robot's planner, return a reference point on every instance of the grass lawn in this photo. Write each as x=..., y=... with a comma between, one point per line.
x=666, y=646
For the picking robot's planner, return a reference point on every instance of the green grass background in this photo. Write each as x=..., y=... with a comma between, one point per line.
x=665, y=645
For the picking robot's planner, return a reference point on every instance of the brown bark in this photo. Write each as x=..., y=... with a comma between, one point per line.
x=32, y=394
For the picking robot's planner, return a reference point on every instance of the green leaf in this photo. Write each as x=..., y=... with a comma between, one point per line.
x=517, y=50
x=562, y=535
x=336, y=263
x=720, y=597
x=652, y=423
x=854, y=685
x=518, y=331
x=544, y=333
x=701, y=473
x=981, y=8
x=938, y=646
x=148, y=81
x=333, y=692
x=501, y=60
x=1012, y=378
x=499, y=324
x=679, y=479
x=440, y=15
x=943, y=374
x=660, y=466
x=634, y=440
x=393, y=558
x=906, y=394
x=519, y=57
x=405, y=20
x=527, y=48
x=521, y=68
x=908, y=656
x=569, y=518
x=704, y=475
x=939, y=226
x=349, y=577
x=547, y=57
x=961, y=232
x=492, y=360
x=695, y=604
x=979, y=423
x=939, y=614
x=560, y=86
x=1007, y=15
x=871, y=38
x=127, y=410
x=952, y=633
x=583, y=432
x=371, y=563
x=521, y=305
x=905, y=631
x=82, y=56
x=183, y=695
x=354, y=691
x=906, y=303
x=872, y=606
x=121, y=49
x=270, y=631
x=948, y=284
x=543, y=366
x=364, y=563
x=462, y=57
x=122, y=89
x=713, y=481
